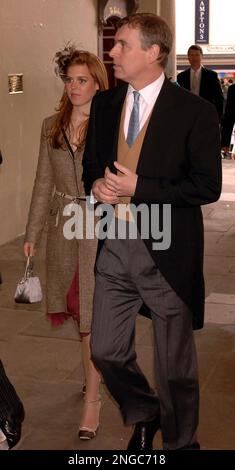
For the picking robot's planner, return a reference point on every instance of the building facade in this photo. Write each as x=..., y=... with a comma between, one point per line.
x=31, y=31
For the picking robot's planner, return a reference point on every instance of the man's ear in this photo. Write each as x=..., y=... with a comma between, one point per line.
x=154, y=52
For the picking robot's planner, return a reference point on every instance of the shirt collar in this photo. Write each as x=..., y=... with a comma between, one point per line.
x=198, y=71
x=150, y=91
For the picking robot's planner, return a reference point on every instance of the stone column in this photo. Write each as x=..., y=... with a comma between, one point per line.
x=149, y=6
x=167, y=11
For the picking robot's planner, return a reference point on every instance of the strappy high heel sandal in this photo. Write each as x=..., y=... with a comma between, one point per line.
x=84, y=432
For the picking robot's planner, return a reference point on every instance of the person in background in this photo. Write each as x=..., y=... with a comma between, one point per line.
x=225, y=86
x=228, y=122
x=0, y=164
x=11, y=412
x=126, y=160
x=70, y=263
x=202, y=81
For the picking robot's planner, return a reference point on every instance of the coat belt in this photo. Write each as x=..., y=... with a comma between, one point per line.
x=71, y=198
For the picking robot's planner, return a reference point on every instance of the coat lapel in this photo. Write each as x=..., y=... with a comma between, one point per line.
x=112, y=117
x=203, y=81
x=154, y=132
x=187, y=79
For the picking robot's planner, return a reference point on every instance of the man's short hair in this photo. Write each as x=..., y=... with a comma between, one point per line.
x=195, y=47
x=154, y=30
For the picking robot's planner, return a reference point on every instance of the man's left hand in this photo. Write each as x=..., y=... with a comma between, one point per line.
x=124, y=184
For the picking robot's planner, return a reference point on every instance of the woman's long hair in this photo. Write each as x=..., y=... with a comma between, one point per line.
x=64, y=59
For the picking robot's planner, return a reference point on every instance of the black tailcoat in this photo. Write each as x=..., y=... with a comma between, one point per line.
x=179, y=164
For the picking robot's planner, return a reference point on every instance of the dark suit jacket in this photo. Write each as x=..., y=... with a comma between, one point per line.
x=179, y=164
x=229, y=117
x=210, y=88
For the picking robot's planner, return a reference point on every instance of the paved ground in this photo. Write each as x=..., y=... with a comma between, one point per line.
x=45, y=366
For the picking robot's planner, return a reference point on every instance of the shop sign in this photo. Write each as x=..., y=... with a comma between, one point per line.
x=201, y=21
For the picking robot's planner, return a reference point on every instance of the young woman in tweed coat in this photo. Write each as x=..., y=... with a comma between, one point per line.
x=58, y=182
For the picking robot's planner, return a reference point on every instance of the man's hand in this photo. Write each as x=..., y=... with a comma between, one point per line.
x=121, y=185
x=102, y=193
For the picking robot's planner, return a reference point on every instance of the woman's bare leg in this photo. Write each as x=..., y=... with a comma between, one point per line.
x=91, y=408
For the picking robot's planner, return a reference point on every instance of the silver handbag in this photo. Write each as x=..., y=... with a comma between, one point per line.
x=29, y=289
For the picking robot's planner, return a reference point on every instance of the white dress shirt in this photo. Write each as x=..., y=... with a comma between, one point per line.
x=148, y=96
x=198, y=74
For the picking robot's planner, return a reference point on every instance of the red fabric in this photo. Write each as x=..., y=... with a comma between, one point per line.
x=72, y=306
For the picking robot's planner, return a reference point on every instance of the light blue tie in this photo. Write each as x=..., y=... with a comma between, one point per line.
x=134, y=124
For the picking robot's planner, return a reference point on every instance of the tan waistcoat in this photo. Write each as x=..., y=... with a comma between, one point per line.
x=129, y=156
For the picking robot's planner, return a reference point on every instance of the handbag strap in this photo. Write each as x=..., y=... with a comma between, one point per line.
x=28, y=268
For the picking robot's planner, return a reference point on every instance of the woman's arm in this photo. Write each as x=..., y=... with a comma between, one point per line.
x=42, y=192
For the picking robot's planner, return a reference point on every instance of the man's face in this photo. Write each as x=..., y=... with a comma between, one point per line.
x=130, y=61
x=195, y=59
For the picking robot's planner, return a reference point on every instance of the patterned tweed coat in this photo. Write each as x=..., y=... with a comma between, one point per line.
x=55, y=171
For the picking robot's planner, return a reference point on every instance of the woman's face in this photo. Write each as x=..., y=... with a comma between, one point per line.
x=80, y=85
